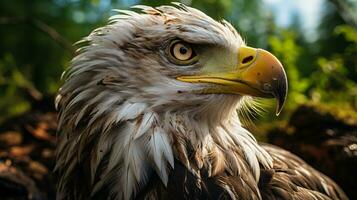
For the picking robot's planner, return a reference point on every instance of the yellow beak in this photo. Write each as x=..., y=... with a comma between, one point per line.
x=258, y=73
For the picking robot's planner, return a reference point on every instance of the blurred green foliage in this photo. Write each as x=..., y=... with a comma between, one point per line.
x=36, y=40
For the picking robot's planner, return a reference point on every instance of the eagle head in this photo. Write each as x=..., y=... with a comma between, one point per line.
x=151, y=88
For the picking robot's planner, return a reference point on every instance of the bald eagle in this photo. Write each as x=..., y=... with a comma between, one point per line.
x=148, y=110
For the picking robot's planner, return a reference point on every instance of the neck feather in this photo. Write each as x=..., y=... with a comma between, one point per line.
x=135, y=141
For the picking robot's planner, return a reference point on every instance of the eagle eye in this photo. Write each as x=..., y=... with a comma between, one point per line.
x=182, y=53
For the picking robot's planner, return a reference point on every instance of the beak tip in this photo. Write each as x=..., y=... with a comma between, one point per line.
x=281, y=93
x=279, y=108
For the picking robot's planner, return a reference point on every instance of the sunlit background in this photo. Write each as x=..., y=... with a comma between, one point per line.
x=316, y=40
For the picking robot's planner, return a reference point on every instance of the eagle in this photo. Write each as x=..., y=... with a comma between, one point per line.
x=149, y=110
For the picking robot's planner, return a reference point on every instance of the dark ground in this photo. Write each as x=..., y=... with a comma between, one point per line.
x=27, y=145
x=325, y=140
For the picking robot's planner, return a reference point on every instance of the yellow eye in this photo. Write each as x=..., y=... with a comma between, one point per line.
x=182, y=53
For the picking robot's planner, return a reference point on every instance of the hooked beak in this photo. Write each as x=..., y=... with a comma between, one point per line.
x=258, y=73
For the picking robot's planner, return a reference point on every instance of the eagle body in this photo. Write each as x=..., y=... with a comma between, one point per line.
x=148, y=110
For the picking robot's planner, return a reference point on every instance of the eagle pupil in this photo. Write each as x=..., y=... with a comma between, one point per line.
x=183, y=50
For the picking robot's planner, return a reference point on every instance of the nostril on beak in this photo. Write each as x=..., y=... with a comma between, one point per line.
x=247, y=59
x=246, y=56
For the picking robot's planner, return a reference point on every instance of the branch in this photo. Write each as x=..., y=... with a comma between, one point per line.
x=43, y=27
x=346, y=11
x=52, y=33
x=11, y=20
